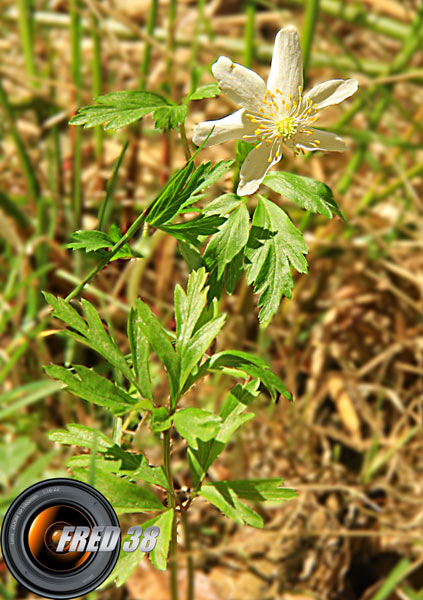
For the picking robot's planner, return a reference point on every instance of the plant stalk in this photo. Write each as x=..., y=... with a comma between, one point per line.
x=173, y=558
x=190, y=561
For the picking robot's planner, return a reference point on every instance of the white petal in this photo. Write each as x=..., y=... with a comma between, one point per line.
x=232, y=127
x=286, y=72
x=242, y=85
x=332, y=92
x=254, y=169
x=328, y=141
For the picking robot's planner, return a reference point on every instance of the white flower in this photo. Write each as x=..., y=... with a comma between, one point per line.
x=273, y=114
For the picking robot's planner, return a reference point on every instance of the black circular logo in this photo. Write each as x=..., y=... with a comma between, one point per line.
x=45, y=538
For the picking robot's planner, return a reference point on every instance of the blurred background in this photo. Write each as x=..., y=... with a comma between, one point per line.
x=349, y=345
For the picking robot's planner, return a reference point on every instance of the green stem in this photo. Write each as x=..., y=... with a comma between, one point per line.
x=309, y=26
x=151, y=24
x=76, y=61
x=185, y=141
x=96, y=70
x=249, y=33
x=110, y=188
x=25, y=24
x=27, y=166
x=173, y=564
x=190, y=561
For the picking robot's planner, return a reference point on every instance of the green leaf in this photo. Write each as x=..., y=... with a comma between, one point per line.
x=192, y=336
x=100, y=341
x=153, y=475
x=234, y=271
x=308, y=193
x=169, y=117
x=188, y=307
x=83, y=436
x=191, y=255
x=251, y=365
x=171, y=199
x=158, y=556
x=159, y=340
x=119, y=109
x=96, y=241
x=126, y=497
x=273, y=245
x=92, y=333
x=64, y=311
x=226, y=500
x=222, y=205
x=236, y=402
x=140, y=352
x=95, y=440
x=198, y=345
x=211, y=90
x=196, y=423
x=160, y=420
x=128, y=561
x=226, y=496
x=229, y=241
x=189, y=231
x=183, y=189
x=261, y=490
x=90, y=386
x=102, y=463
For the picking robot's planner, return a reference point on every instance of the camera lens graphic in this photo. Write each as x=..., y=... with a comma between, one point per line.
x=33, y=527
x=44, y=534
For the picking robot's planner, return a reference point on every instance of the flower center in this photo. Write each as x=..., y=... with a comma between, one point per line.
x=286, y=127
x=282, y=119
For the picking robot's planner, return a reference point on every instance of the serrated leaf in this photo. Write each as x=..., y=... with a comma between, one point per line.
x=191, y=256
x=261, y=490
x=92, y=332
x=222, y=205
x=83, y=436
x=65, y=312
x=128, y=561
x=90, y=386
x=153, y=475
x=234, y=271
x=226, y=500
x=95, y=241
x=85, y=461
x=211, y=90
x=169, y=117
x=125, y=497
x=226, y=496
x=95, y=440
x=188, y=307
x=251, y=365
x=232, y=418
x=197, y=346
x=229, y=241
x=189, y=231
x=196, y=423
x=308, y=193
x=119, y=109
x=159, y=340
x=140, y=352
x=273, y=245
x=183, y=189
